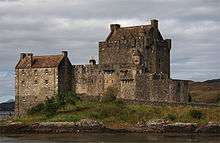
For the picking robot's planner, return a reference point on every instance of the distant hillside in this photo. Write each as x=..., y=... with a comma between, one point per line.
x=207, y=91
x=7, y=106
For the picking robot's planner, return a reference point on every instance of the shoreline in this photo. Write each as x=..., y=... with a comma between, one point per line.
x=92, y=126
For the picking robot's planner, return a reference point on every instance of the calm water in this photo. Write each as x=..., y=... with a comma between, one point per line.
x=83, y=138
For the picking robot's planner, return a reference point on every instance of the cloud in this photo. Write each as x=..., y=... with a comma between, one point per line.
x=49, y=26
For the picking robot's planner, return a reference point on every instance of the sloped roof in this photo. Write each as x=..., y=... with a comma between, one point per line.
x=48, y=61
x=134, y=31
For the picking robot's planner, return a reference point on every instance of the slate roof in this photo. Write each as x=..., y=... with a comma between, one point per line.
x=134, y=31
x=48, y=61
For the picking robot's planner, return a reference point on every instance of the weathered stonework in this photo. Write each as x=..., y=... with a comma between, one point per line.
x=135, y=60
x=39, y=78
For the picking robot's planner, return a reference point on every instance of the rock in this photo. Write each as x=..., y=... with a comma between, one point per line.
x=89, y=123
x=209, y=128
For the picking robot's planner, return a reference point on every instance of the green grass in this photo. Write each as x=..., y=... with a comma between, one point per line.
x=118, y=113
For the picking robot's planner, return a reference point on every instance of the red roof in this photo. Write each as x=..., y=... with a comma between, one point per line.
x=41, y=62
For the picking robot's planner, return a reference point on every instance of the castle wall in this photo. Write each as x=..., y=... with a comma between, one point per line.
x=163, y=57
x=88, y=79
x=65, y=76
x=127, y=89
x=34, y=86
x=164, y=90
x=179, y=90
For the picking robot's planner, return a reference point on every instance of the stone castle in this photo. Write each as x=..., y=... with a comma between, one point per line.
x=135, y=60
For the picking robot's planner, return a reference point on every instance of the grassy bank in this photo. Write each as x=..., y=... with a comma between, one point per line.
x=118, y=113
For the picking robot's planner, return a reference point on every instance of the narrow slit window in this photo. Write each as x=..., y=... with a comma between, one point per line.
x=46, y=71
x=46, y=82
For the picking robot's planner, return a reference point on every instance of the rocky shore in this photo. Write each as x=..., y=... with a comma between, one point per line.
x=92, y=126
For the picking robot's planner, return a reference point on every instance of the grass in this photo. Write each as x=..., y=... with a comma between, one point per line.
x=115, y=112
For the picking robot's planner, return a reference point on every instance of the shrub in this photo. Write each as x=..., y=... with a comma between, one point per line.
x=170, y=117
x=51, y=106
x=196, y=114
x=67, y=98
x=37, y=109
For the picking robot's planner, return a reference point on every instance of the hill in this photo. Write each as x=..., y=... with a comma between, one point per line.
x=207, y=91
x=7, y=106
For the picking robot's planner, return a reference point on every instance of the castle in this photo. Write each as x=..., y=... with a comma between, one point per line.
x=135, y=60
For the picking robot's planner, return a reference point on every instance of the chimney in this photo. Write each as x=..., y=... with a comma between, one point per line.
x=65, y=53
x=92, y=62
x=114, y=27
x=22, y=56
x=29, y=59
x=154, y=23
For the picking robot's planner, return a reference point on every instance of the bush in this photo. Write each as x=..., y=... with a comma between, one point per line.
x=196, y=114
x=37, y=109
x=170, y=117
x=67, y=98
x=51, y=106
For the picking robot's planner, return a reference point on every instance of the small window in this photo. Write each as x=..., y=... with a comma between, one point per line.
x=23, y=99
x=22, y=82
x=23, y=72
x=35, y=72
x=46, y=82
x=35, y=82
x=46, y=71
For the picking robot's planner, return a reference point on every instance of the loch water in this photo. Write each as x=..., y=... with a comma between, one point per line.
x=108, y=138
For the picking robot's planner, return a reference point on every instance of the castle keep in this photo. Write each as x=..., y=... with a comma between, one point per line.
x=135, y=60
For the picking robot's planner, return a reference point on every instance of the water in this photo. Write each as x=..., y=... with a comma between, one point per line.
x=104, y=138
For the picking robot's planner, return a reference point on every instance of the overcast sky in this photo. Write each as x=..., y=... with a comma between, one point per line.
x=50, y=26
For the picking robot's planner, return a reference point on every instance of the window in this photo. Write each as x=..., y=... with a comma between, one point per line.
x=35, y=72
x=35, y=81
x=46, y=71
x=22, y=82
x=23, y=99
x=46, y=82
x=23, y=72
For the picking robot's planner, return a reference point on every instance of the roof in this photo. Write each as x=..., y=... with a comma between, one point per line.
x=134, y=31
x=48, y=61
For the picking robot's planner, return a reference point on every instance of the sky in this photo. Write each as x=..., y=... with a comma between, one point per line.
x=50, y=26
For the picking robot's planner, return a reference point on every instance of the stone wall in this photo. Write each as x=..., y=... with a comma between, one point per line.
x=65, y=75
x=115, y=55
x=88, y=79
x=148, y=87
x=179, y=90
x=34, y=86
